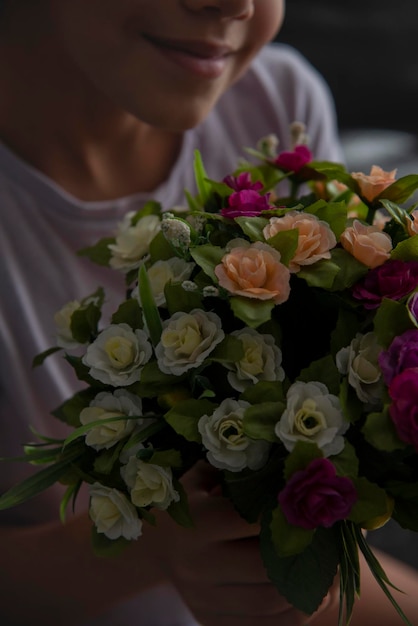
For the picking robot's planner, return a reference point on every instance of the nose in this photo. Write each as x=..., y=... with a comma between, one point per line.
x=230, y=9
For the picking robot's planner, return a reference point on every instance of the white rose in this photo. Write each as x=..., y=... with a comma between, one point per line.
x=161, y=273
x=261, y=361
x=62, y=320
x=312, y=414
x=118, y=354
x=113, y=514
x=360, y=361
x=105, y=406
x=132, y=241
x=149, y=485
x=224, y=438
x=187, y=339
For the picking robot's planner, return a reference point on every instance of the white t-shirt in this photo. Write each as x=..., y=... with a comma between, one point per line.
x=43, y=226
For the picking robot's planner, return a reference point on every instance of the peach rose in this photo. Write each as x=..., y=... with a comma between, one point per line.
x=315, y=237
x=254, y=271
x=371, y=185
x=412, y=224
x=368, y=244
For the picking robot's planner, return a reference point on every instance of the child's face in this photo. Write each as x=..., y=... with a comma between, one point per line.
x=165, y=61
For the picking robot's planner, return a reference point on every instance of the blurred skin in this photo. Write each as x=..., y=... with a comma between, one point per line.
x=91, y=90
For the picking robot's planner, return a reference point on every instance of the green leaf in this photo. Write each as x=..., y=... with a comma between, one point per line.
x=380, y=432
x=285, y=242
x=129, y=312
x=252, y=312
x=70, y=494
x=301, y=456
x=40, y=481
x=325, y=371
x=405, y=512
x=69, y=411
x=184, y=417
x=82, y=430
x=84, y=322
x=406, y=250
x=346, y=462
x=178, y=299
x=160, y=249
x=352, y=407
x=350, y=270
x=264, y=391
x=321, y=274
x=304, y=579
x=400, y=190
x=252, y=227
x=203, y=186
x=104, y=547
x=372, y=501
x=230, y=350
x=179, y=511
x=208, y=257
x=100, y=252
x=260, y=420
x=288, y=540
x=40, y=358
x=391, y=320
x=166, y=458
x=334, y=213
x=106, y=459
x=149, y=308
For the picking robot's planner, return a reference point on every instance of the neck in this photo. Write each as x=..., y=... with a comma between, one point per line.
x=57, y=121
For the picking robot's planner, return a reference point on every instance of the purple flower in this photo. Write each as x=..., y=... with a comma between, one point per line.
x=242, y=181
x=394, y=280
x=402, y=354
x=295, y=160
x=404, y=408
x=246, y=203
x=316, y=496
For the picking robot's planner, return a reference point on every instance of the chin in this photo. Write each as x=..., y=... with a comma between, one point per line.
x=175, y=118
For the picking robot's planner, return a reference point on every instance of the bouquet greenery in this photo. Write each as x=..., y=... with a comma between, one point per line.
x=274, y=336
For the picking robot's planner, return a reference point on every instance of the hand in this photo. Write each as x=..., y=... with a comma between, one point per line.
x=216, y=567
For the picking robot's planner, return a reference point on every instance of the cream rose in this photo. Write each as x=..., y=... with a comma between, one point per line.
x=312, y=414
x=118, y=355
x=224, y=438
x=161, y=273
x=113, y=514
x=315, y=240
x=62, y=320
x=254, y=271
x=187, y=339
x=105, y=405
x=149, y=485
x=133, y=240
x=371, y=185
x=360, y=361
x=368, y=244
x=261, y=361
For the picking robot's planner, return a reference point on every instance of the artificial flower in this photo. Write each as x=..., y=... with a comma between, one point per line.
x=367, y=244
x=113, y=514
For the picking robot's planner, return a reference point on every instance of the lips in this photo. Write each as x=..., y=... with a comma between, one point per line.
x=204, y=59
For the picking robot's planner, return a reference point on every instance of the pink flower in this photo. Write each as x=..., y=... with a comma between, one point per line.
x=394, y=280
x=367, y=244
x=412, y=223
x=404, y=408
x=315, y=237
x=254, y=271
x=371, y=185
x=316, y=496
x=295, y=160
x=242, y=181
x=402, y=354
x=246, y=203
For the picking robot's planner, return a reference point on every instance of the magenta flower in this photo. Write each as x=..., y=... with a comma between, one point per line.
x=246, y=203
x=242, y=181
x=402, y=354
x=316, y=496
x=295, y=160
x=404, y=408
x=394, y=280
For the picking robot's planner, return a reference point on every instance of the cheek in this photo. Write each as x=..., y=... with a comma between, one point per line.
x=268, y=19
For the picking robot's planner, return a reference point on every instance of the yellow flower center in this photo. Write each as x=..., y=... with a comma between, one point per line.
x=120, y=352
x=231, y=431
x=308, y=420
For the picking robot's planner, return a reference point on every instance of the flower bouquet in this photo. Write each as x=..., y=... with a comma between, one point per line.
x=275, y=336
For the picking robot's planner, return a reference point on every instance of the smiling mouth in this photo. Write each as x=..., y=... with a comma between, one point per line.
x=203, y=58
